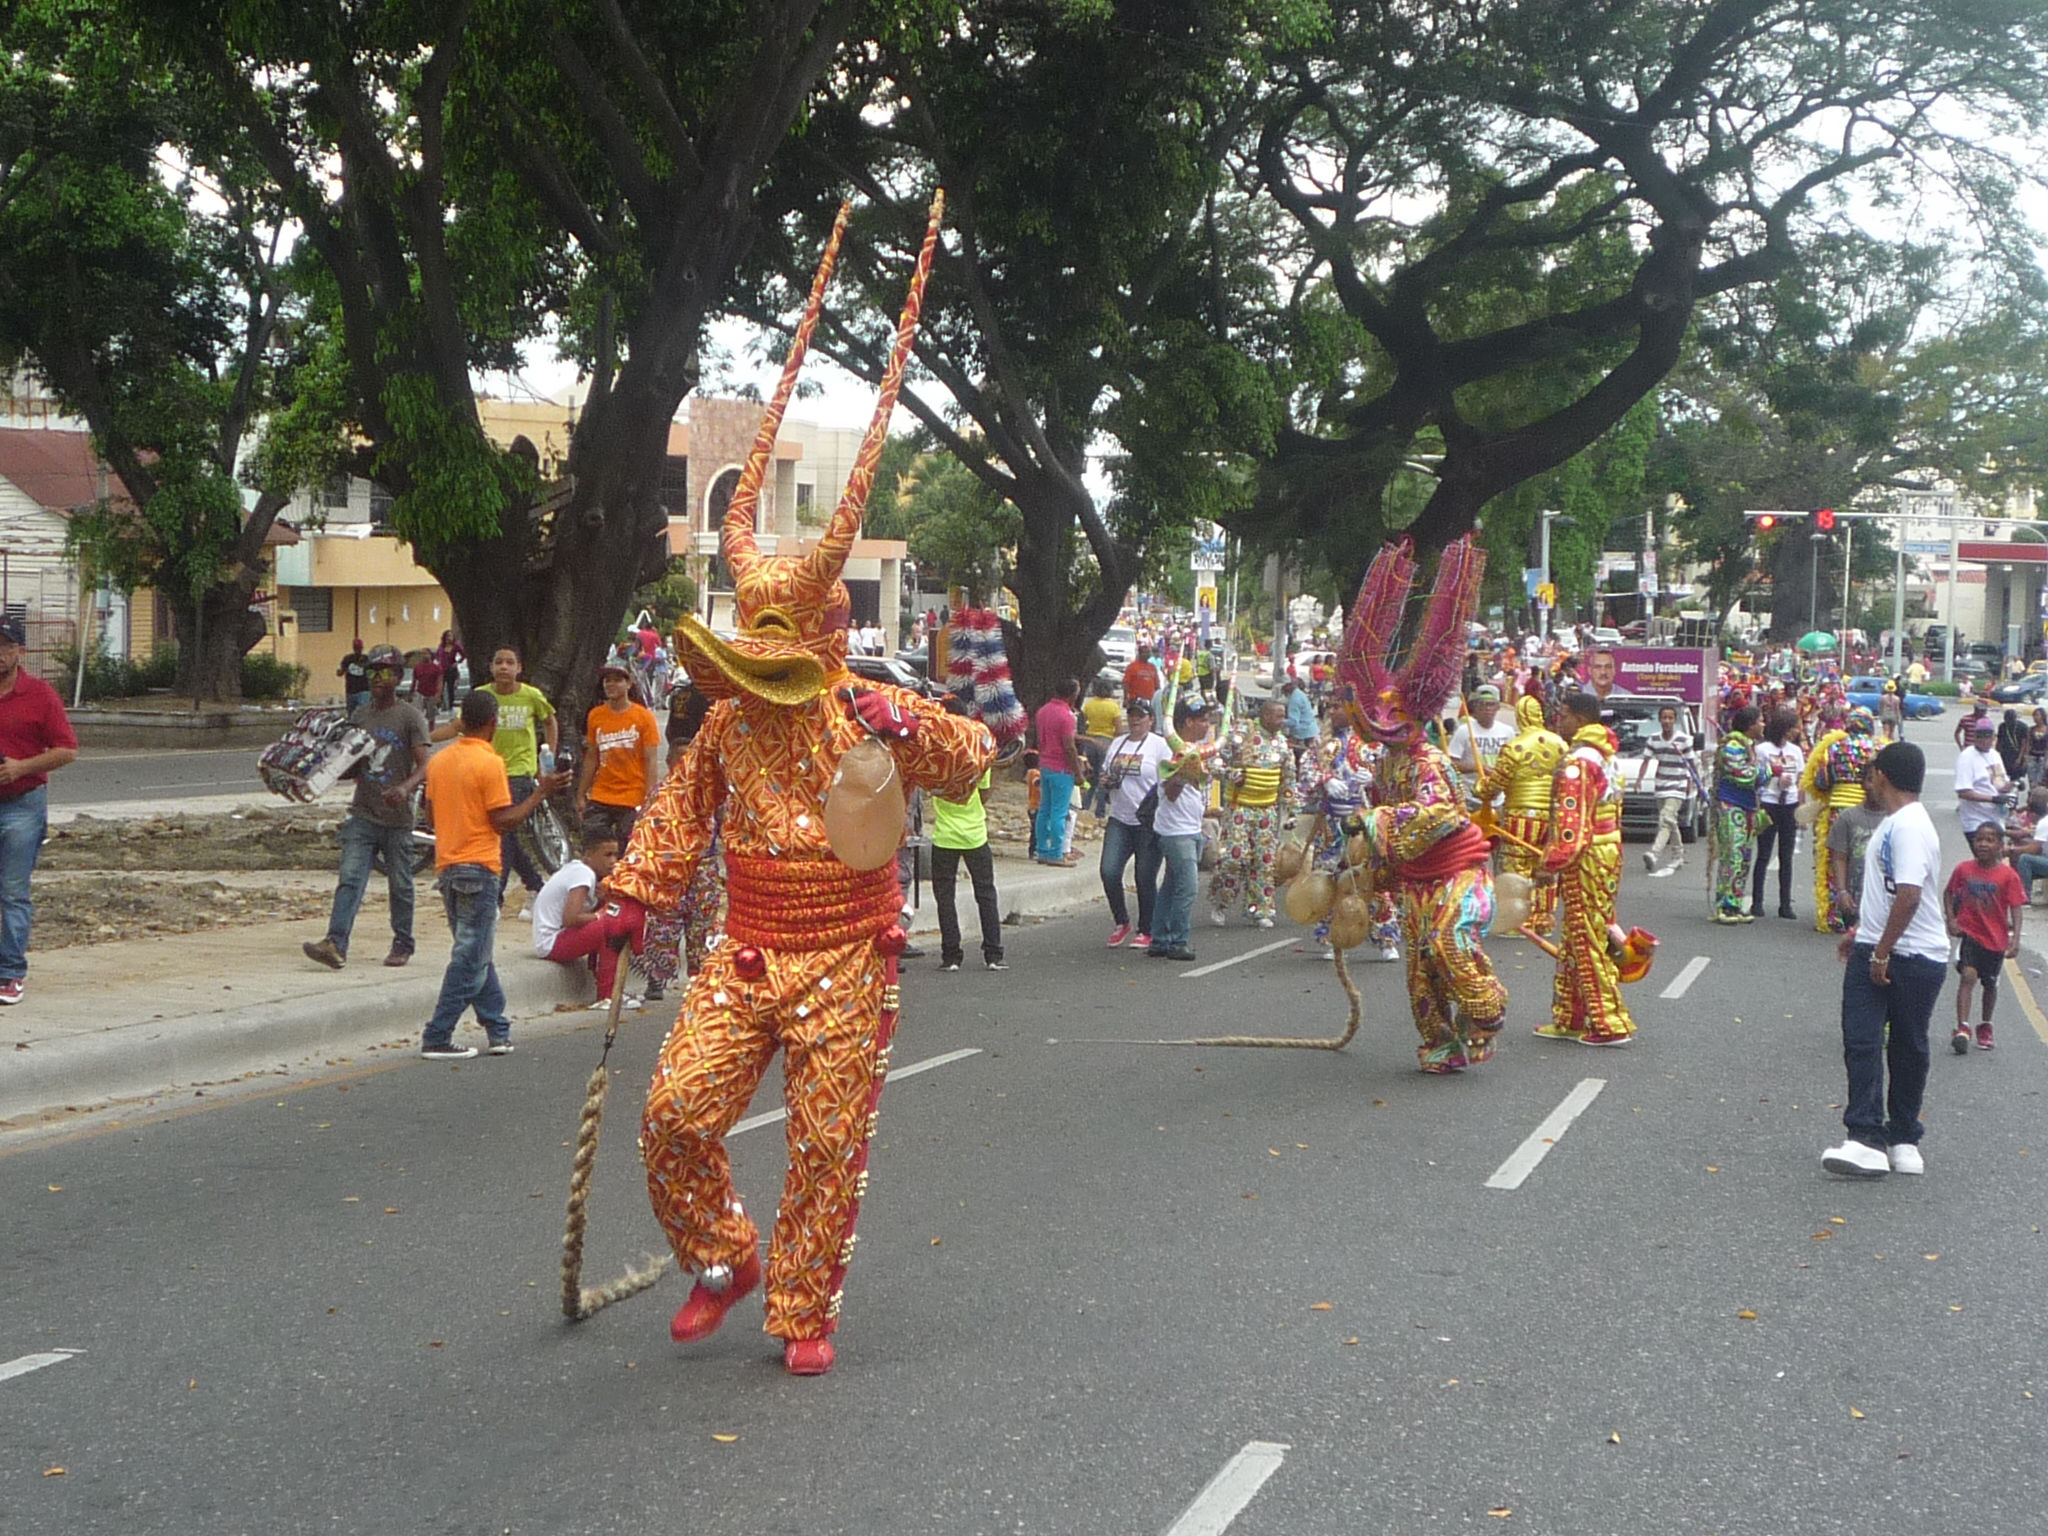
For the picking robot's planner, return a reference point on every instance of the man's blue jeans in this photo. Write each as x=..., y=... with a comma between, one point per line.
x=1876, y=1114
x=2032, y=866
x=1049, y=829
x=361, y=838
x=23, y=821
x=1182, y=858
x=1122, y=842
x=470, y=893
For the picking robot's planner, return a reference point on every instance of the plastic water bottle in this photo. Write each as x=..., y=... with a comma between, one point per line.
x=547, y=759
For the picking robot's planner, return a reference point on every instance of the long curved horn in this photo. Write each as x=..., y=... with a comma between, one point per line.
x=826, y=561
x=738, y=535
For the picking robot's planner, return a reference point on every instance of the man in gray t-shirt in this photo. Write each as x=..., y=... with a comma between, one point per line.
x=380, y=816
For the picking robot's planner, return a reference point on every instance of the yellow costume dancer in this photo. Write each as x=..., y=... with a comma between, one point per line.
x=1833, y=777
x=1420, y=841
x=808, y=959
x=1584, y=855
x=1522, y=776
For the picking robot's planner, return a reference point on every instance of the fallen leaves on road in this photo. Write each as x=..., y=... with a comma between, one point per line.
x=1747, y=1316
x=1823, y=1235
x=55, y=1189
x=1321, y=1306
x=1930, y=1257
x=351, y=1199
x=1500, y=1512
x=53, y=1471
x=1614, y=1438
x=1354, y=1339
x=725, y=1439
x=390, y=1210
x=1855, y=1413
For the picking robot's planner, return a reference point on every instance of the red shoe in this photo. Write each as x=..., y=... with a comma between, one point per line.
x=807, y=1357
x=699, y=1317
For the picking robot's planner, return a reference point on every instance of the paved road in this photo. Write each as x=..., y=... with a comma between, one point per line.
x=103, y=777
x=1089, y=1277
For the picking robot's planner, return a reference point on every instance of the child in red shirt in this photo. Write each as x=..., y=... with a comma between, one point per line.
x=1984, y=902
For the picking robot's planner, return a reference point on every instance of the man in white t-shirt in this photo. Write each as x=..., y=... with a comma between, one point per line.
x=566, y=912
x=1478, y=740
x=1897, y=959
x=1981, y=780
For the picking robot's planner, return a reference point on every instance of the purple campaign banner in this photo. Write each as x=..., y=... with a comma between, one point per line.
x=1688, y=673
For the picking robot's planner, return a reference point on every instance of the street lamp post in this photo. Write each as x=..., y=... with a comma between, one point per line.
x=1545, y=519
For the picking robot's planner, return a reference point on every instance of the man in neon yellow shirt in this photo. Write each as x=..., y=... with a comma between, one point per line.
x=960, y=836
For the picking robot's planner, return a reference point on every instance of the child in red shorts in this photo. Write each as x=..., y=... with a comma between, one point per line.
x=1984, y=902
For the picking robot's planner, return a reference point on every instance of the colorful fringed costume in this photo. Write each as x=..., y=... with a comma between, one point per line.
x=1421, y=844
x=1522, y=775
x=976, y=663
x=1736, y=776
x=1833, y=777
x=807, y=963
x=1257, y=767
x=1584, y=853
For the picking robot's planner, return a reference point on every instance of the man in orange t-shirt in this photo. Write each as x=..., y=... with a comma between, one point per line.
x=473, y=810
x=1141, y=677
x=621, y=757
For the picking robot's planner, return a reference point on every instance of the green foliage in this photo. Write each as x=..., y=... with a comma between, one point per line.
x=669, y=598
x=958, y=530
x=1939, y=689
x=117, y=677
x=267, y=678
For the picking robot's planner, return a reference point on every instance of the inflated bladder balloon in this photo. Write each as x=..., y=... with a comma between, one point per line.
x=1288, y=860
x=1350, y=921
x=1513, y=897
x=1309, y=897
x=864, y=808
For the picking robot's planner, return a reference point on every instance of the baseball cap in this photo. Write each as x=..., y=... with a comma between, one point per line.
x=385, y=656
x=1139, y=707
x=1486, y=695
x=12, y=629
x=1985, y=727
x=615, y=666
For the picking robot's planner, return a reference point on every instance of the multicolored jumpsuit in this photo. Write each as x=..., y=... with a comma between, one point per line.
x=1834, y=776
x=1343, y=781
x=1424, y=847
x=1736, y=776
x=1522, y=774
x=802, y=966
x=1585, y=856
x=1258, y=787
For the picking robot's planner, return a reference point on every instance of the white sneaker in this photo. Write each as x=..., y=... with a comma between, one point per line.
x=1906, y=1159
x=1264, y=922
x=1650, y=862
x=1218, y=916
x=526, y=914
x=1327, y=952
x=1855, y=1160
x=1659, y=874
x=1390, y=952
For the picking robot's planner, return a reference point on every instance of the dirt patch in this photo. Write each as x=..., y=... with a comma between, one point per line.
x=96, y=908
x=290, y=837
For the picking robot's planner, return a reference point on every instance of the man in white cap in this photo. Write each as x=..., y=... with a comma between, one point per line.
x=1981, y=781
x=1479, y=738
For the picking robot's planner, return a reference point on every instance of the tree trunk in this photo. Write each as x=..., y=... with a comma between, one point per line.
x=210, y=654
x=558, y=596
x=1056, y=641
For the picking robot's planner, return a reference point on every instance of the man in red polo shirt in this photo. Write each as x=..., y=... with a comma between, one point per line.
x=35, y=739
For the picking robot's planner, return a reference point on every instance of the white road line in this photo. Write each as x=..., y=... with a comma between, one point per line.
x=1684, y=978
x=1523, y=1161
x=755, y=1122
x=1250, y=954
x=29, y=1363
x=1230, y=1490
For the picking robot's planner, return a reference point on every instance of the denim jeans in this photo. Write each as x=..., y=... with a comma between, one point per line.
x=361, y=838
x=981, y=869
x=23, y=821
x=2032, y=866
x=1182, y=856
x=470, y=893
x=1877, y=1115
x=1049, y=827
x=513, y=859
x=1121, y=842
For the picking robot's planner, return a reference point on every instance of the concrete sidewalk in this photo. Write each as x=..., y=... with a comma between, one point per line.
x=147, y=1019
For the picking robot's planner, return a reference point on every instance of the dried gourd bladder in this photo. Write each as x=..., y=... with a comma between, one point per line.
x=865, y=806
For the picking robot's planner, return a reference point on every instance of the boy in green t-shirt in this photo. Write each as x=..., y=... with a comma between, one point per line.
x=960, y=835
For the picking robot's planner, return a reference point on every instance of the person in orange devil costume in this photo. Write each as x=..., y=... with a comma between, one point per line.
x=808, y=961
x=1421, y=843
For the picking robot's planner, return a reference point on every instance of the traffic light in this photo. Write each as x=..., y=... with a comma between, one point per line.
x=1824, y=519
x=1765, y=521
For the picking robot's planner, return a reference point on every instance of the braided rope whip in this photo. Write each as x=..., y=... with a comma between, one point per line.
x=1273, y=1042
x=580, y=1301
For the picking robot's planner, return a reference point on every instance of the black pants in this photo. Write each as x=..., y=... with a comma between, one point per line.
x=618, y=819
x=513, y=859
x=981, y=869
x=1780, y=831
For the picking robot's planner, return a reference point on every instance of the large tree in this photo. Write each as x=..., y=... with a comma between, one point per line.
x=1421, y=149
x=149, y=288
x=1086, y=302
x=477, y=174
